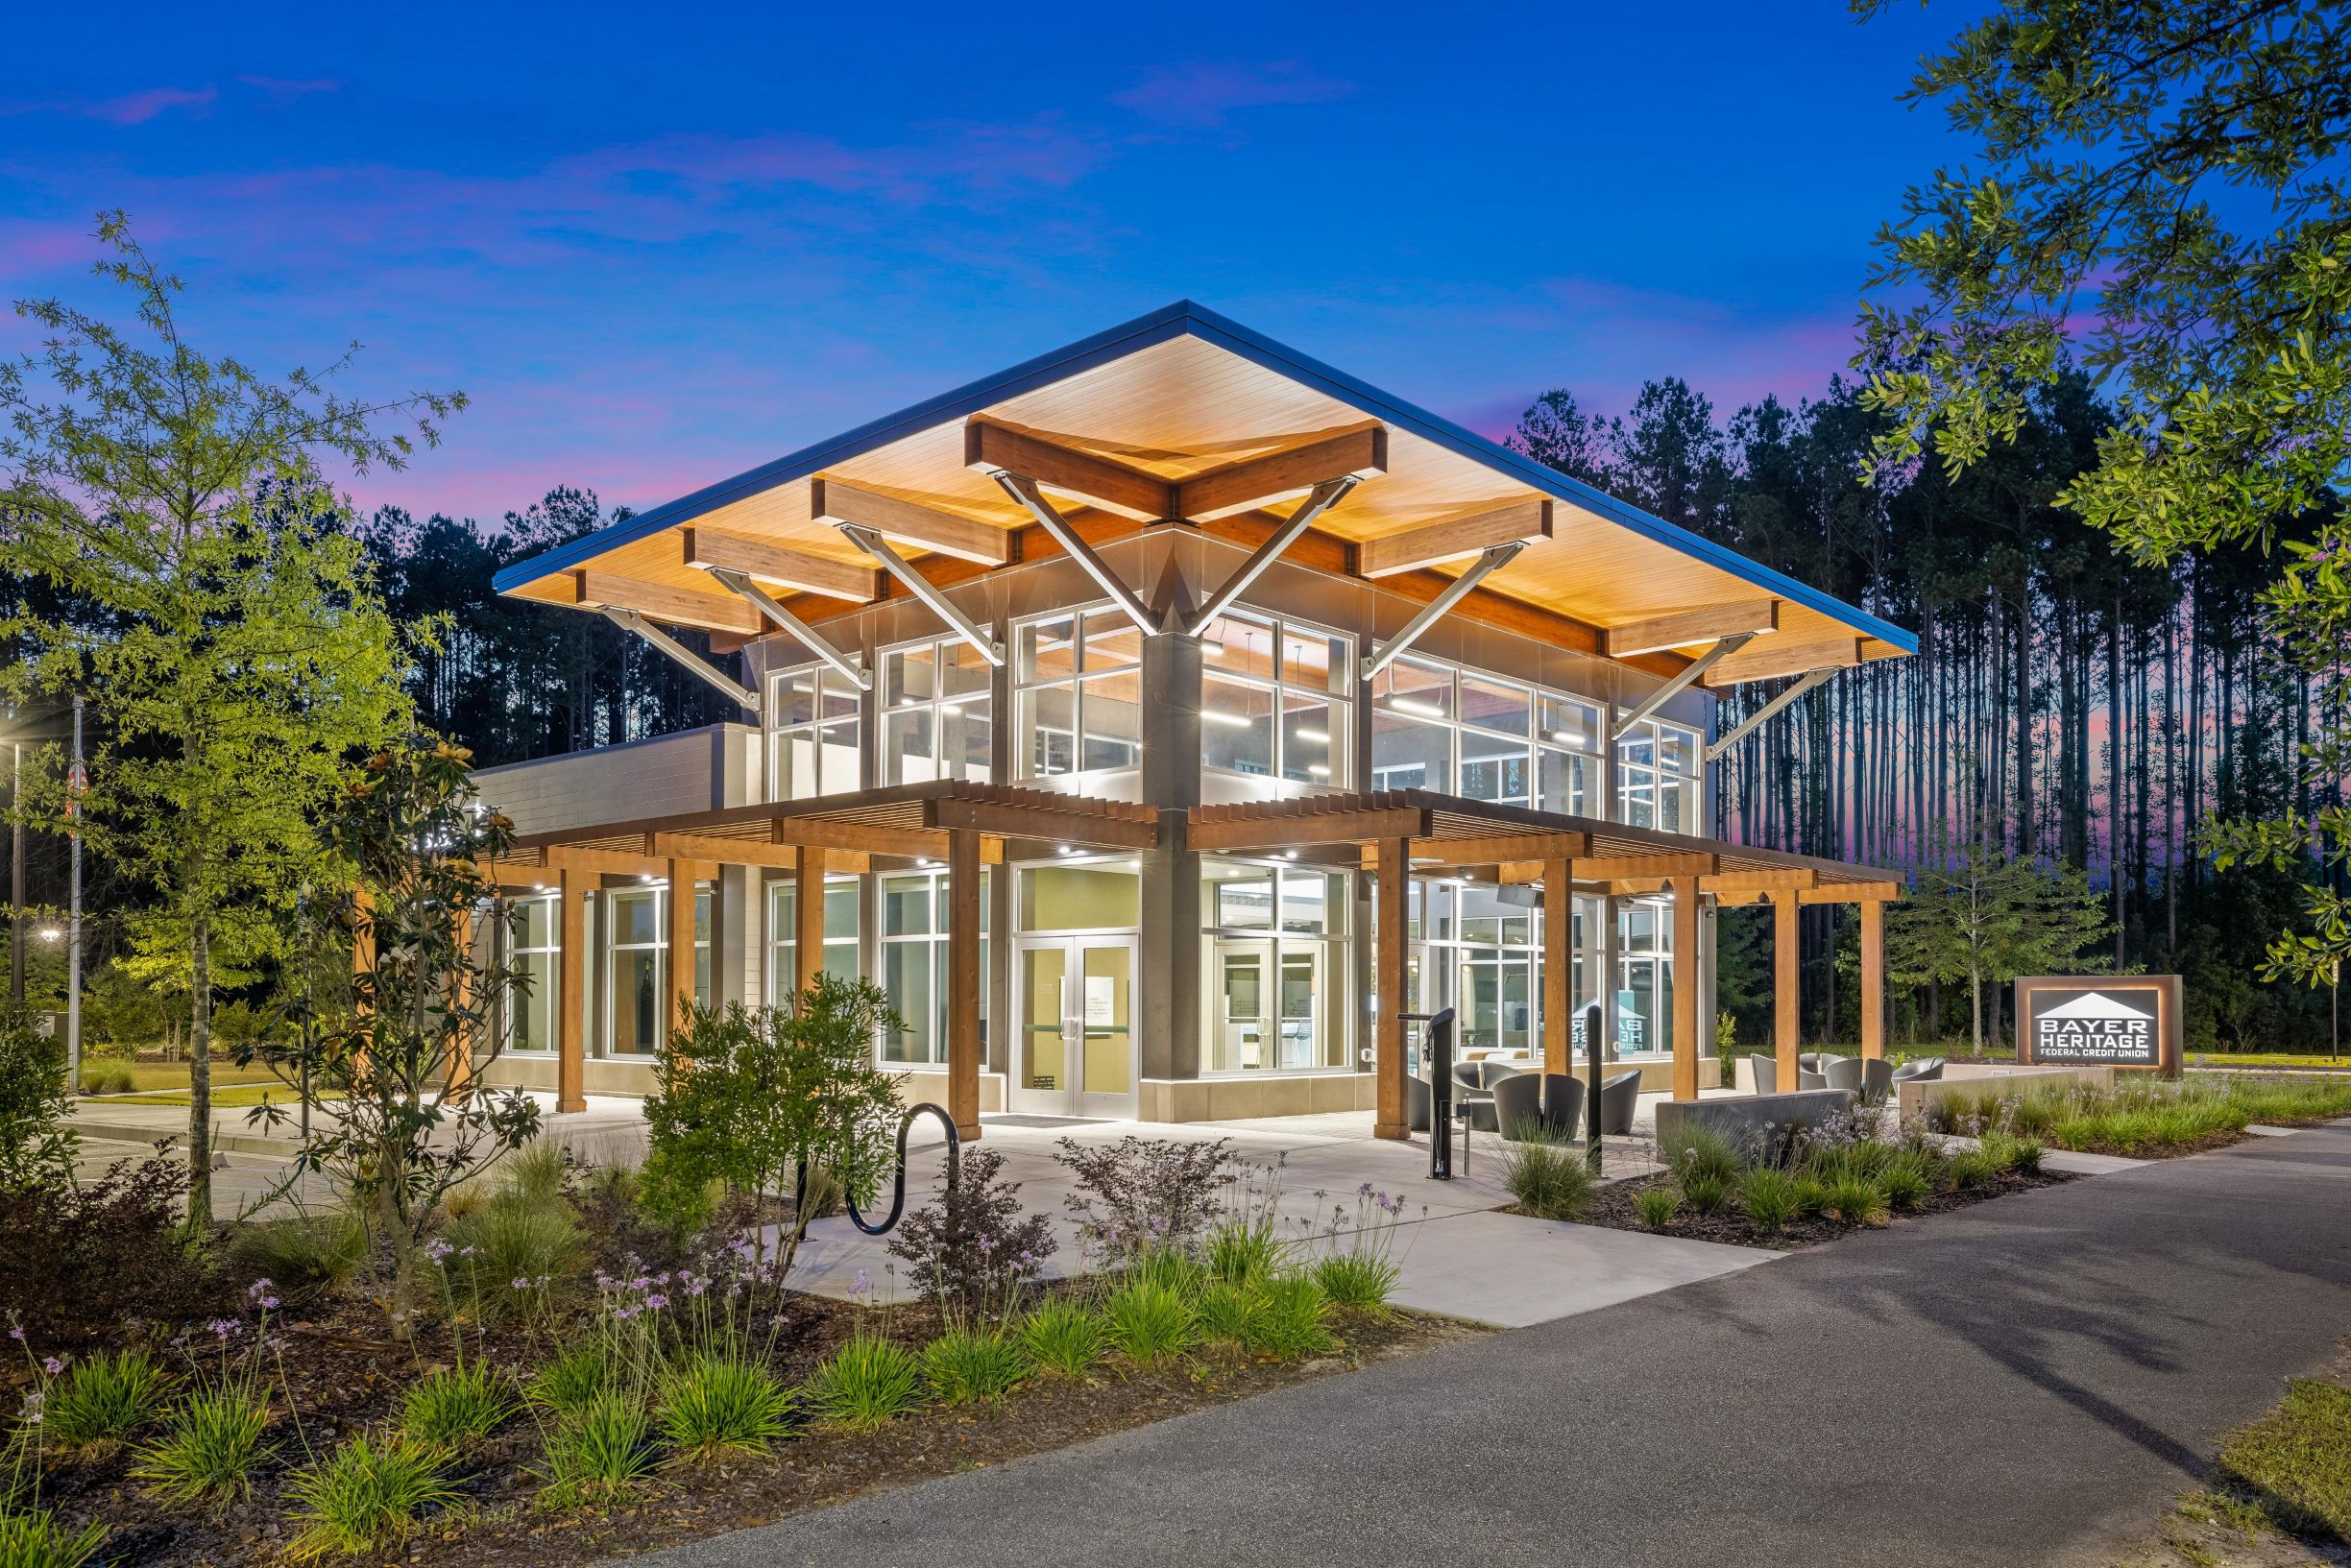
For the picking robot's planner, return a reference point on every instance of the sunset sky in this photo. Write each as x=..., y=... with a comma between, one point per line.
x=656, y=247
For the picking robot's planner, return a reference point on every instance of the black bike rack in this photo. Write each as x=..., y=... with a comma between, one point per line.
x=905, y=1124
x=1437, y=1050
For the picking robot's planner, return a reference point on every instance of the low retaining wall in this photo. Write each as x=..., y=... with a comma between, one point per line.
x=1917, y=1096
x=1744, y=1119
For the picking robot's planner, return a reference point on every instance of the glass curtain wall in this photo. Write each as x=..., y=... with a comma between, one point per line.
x=534, y=947
x=1436, y=726
x=1276, y=965
x=1275, y=700
x=1078, y=694
x=841, y=940
x=1469, y=951
x=914, y=965
x=934, y=713
x=638, y=967
x=812, y=747
x=1659, y=782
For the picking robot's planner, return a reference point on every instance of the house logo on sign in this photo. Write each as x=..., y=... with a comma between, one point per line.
x=2096, y=1028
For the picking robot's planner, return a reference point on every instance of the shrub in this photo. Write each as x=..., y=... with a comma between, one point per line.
x=1144, y=1192
x=1769, y=1197
x=1703, y=1151
x=1656, y=1206
x=1707, y=1193
x=538, y=1175
x=1172, y=1268
x=1812, y=1195
x=1856, y=1200
x=719, y=1400
x=572, y=1380
x=1908, y=1180
x=1970, y=1168
x=1292, y=1318
x=599, y=1454
x=971, y=1248
x=33, y=1538
x=1240, y=1251
x=513, y=1237
x=972, y=1366
x=1358, y=1281
x=1548, y=1177
x=307, y=1255
x=1064, y=1336
x=117, y=1239
x=103, y=1400
x=37, y=1140
x=365, y=1495
x=2028, y=1156
x=866, y=1383
x=1149, y=1322
x=211, y=1440
x=457, y=1407
x=1225, y=1312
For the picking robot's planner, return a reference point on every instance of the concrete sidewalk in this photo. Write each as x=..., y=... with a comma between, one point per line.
x=2027, y=1382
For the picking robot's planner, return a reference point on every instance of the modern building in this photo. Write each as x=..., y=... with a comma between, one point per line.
x=1156, y=721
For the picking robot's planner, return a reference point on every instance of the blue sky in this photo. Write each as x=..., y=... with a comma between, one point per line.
x=659, y=245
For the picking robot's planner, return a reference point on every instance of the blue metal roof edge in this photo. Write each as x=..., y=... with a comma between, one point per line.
x=1173, y=321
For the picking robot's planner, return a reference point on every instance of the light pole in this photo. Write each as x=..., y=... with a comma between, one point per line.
x=17, y=947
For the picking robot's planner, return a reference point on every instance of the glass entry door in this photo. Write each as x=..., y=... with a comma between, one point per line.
x=1076, y=1030
x=1269, y=1010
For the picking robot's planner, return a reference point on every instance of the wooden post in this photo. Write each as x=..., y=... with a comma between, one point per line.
x=1389, y=904
x=363, y=955
x=571, y=1012
x=461, y=1055
x=681, y=947
x=1872, y=979
x=963, y=979
x=1559, y=968
x=1785, y=991
x=807, y=920
x=1685, y=988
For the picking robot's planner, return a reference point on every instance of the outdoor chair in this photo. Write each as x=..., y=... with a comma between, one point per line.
x=1619, y=1098
x=1809, y=1061
x=1876, y=1080
x=1518, y=1106
x=1809, y=1080
x=1562, y=1103
x=1924, y=1069
x=1842, y=1071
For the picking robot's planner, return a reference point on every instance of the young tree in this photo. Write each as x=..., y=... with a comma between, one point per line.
x=396, y=1077
x=222, y=627
x=1979, y=913
x=758, y=1098
x=2163, y=188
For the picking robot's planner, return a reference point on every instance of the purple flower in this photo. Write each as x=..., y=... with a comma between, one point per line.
x=520, y=1282
x=51, y=1365
x=655, y=1303
x=861, y=1287
x=16, y=1331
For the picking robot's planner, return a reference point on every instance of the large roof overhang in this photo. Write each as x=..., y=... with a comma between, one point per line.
x=1175, y=418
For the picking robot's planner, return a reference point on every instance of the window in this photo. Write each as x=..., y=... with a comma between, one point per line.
x=914, y=965
x=814, y=743
x=934, y=713
x=1080, y=695
x=1276, y=968
x=1645, y=976
x=1657, y=781
x=534, y=947
x=1478, y=956
x=638, y=942
x=1273, y=700
x=841, y=939
x=1434, y=726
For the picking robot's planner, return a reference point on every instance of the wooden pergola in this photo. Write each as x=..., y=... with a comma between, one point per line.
x=959, y=824
x=1398, y=832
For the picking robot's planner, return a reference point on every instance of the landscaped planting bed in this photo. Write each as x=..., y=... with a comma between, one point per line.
x=580, y=1380
x=2143, y=1118
x=1793, y=1188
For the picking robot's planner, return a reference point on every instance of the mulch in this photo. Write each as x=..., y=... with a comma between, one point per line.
x=1612, y=1206
x=348, y=1379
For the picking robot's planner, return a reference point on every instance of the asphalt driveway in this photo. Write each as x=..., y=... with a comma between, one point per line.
x=2026, y=1382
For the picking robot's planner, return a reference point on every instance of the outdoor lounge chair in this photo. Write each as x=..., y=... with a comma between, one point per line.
x=1924, y=1069
x=1809, y=1080
x=1876, y=1080
x=1562, y=1103
x=1518, y=1106
x=1809, y=1061
x=1619, y=1098
x=1842, y=1071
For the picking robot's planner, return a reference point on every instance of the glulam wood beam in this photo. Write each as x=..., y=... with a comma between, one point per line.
x=990, y=448
x=1450, y=539
x=1285, y=475
x=1690, y=627
x=780, y=564
x=658, y=602
x=909, y=523
x=1772, y=656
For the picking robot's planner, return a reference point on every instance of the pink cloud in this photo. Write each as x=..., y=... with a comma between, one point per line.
x=1203, y=93
x=138, y=108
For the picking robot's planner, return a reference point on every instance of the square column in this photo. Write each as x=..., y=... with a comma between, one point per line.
x=1559, y=967
x=680, y=946
x=1872, y=979
x=1786, y=991
x=571, y=1005
x=461, y=1051
x=963, y=979
x=1686, y=987
x=807, y=920
x=1390, y=1119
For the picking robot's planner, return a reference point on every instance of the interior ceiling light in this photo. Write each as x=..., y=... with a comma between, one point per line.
x=1318, y=736
x=1233, y=721
x=1413, y=705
